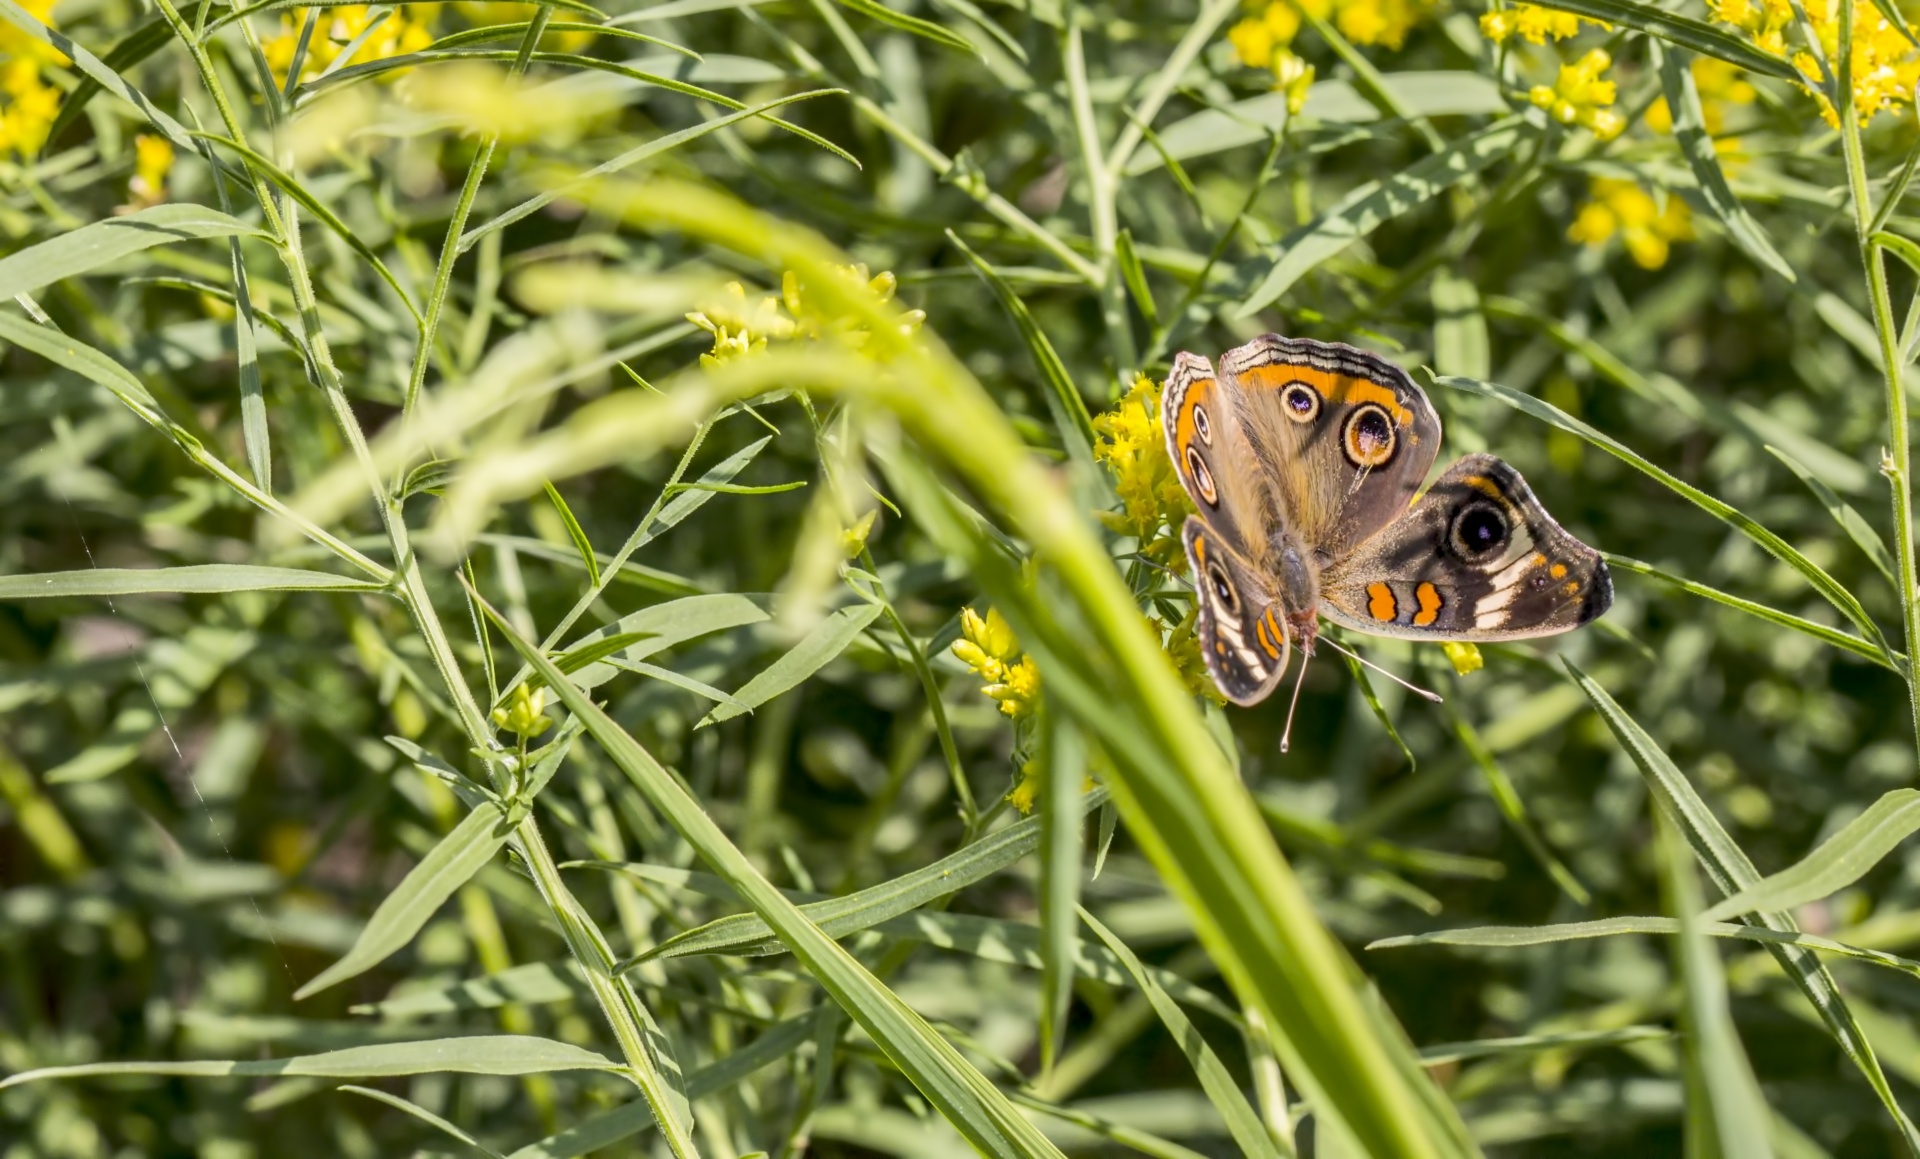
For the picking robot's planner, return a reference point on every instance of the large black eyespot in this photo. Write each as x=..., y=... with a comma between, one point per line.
x=1479, y=530
x=1202, y=478
x=1223, y=589
x=1368, y=438
x=1202, y=424
x=1300, y=402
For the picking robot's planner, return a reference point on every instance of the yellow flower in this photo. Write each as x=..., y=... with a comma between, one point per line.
x=740, y=328
x=1133, y=446
x=1464, y=657
x=1531, y=23
x=1294, y=77
x=1183, y=647
x=1579, y=97
x=809, y=321
x=1643, y=225
x=1022, y=795
x=1257, y=38
x=1884, y=66
x=522, y=714
x=1719, y=84
x=987, y=646
x=17, y=45
x=152, y=159
x=30, y=109
x=400, y=33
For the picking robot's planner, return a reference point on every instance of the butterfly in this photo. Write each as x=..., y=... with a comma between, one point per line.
x=1305, y=461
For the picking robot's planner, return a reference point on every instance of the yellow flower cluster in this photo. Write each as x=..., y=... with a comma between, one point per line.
x=1719, y=84
x=987, y=646
x=1532, y=23
x=524, y=713
x=152, y=161
x=1133, y=445
x=1578, y=96
x=31, y=103
x=1183, y=647
x=1646, y=228
x=741, y=327
x=1265, y=36
x=1885, y=67
x=400, y=33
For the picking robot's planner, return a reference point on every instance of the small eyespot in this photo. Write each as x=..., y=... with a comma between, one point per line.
x=1223, y=589
x=1368, y=438
x=1300, y=402
x=1478, y=531
x=1202, y=478
x=1202, y=424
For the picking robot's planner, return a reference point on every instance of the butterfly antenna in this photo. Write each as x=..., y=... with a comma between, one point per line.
x=1286, y=734
x=1410, y=687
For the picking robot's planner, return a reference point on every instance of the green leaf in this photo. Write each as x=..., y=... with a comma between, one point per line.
x=498, y=1054
x=1725, y=1114
x=1515, y=937
x=1134, y=275
x=1249, y=1133
x=1821, y=632
x=576, y=533
x=450, y=865
x=925, y=29
x=1684, y=31
x=1064, y=399
x=828, y=639
x=1460, y=342
x=1841, y=860
x=1690, y=130
x=1856, y=527
x=662, y=626
x=517, y=30
x=1779, y=548
x=89, y=247
x=1373, y=204
x=1515, y=810
x=152, y=35
x=91, y=67
x=977, y=1109
x=425, y=1116
x=1732, y=872
x=535, y=984
x=195, y=579
x=1534, y=1043
x=748, y=934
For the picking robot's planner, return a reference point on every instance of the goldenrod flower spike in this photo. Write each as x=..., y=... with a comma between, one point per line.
x=523, y=714
x=1578, y=96
x=1646, y=228
x=987, y=646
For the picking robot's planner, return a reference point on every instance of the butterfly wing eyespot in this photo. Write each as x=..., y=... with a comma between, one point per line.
x=1202, y=425
x=1202, y=478
x=1368, y=437
x=1300, y=402
x=1223, y=589
x=1479, y=530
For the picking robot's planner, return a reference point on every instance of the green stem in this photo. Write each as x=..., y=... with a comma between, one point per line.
x=1897, y=465
x=1101, y=197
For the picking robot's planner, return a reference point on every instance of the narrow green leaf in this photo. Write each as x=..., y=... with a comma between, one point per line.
x=89, y=247
x=925, y=29
x=499, y=1054
x=534, y=984
x=1534, y=1043
x=1460, y=342
x=236, y=13
x=1819, y=632
x=1851, y=521
x=748, y=934
x=196, y=579
x=1249, y=1133
x=1690, y=130
x=961, y=1094
x=576, y=533
x=450, y=864
x=1135, y=277
x=662, y=626
x=1063, y=820
x=1779, y=548
x=1841, y=860
x=669, y=676
x=425, y=1116
x=92, y=67
x=1515, y=937
x=1380, y=713
x=1063, y=397
x=1732, y=872
x=1515, y=810
x=737, y=488
x=153, y=34
x=1373, y=204
x=518, y=29
x=828, y=639
x=1684, y=31
x=1726, y=1117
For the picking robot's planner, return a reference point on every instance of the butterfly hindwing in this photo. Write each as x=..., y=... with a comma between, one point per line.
x=1241, y=627
x=1475, y=558
x=1345, y=436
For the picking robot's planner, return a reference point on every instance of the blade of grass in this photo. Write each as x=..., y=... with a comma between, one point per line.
x=425, y=1116
x=1062, y=827
x=1841, y=860
x=197, y=579
x=1856, y=527
x=497, y=1054
x=576, y=533
x=819, y=648
x=89, y=247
